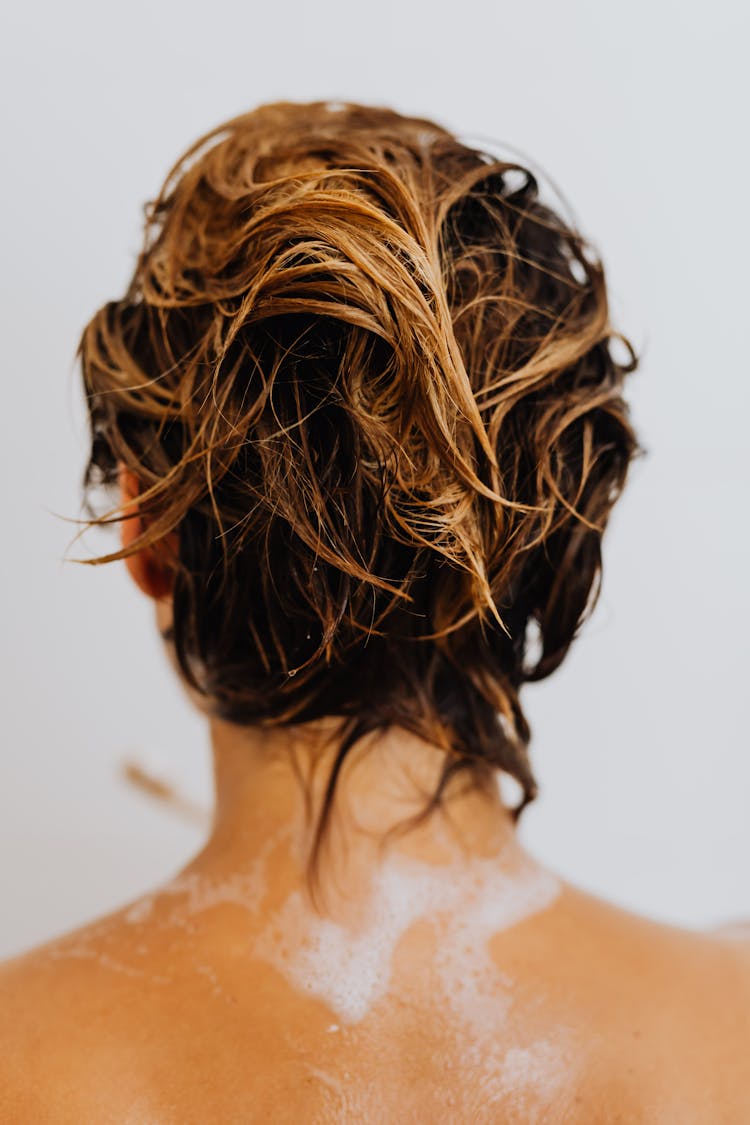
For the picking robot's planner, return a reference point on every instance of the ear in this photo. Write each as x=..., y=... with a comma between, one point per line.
x=147, y=567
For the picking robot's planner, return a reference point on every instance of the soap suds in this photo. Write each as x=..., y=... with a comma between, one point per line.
x=540, y=1067
x=525, y=1081
x=105, y=960
x=349, y=967
x=199, y=892
x=140, y=910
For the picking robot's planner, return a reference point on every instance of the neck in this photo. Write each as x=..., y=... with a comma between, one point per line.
x=270, y=782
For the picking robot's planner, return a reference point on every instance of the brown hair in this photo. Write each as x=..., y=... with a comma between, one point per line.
x=367, y=376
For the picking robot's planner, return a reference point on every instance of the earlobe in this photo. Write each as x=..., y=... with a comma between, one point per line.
x=145, y=567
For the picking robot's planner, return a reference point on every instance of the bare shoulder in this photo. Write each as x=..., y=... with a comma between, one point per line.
x=667, y=1007
x=72, y=1013
x=54, y=1002
x=136, y=1018
x=32, y=1040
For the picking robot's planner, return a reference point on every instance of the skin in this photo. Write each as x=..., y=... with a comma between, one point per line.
x=507, y=996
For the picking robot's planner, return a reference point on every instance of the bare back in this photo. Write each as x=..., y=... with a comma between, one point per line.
x=191, y=1005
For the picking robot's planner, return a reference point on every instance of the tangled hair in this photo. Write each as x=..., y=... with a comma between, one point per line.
x=366, y=375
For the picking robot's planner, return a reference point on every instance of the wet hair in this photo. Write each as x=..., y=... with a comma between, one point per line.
x=369, y=379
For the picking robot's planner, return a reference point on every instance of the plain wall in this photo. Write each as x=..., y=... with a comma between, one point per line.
x=637, y=111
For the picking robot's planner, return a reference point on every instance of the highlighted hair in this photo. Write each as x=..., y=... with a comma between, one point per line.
x=367, y=376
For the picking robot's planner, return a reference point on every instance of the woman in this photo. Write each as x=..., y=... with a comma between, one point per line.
x=367, y=425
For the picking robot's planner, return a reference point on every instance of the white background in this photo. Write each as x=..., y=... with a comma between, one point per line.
x=638, y=112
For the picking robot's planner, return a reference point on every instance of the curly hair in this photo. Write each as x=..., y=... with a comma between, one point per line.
x=367, y=377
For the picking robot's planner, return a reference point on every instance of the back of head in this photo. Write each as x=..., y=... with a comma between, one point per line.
x=366, y=375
